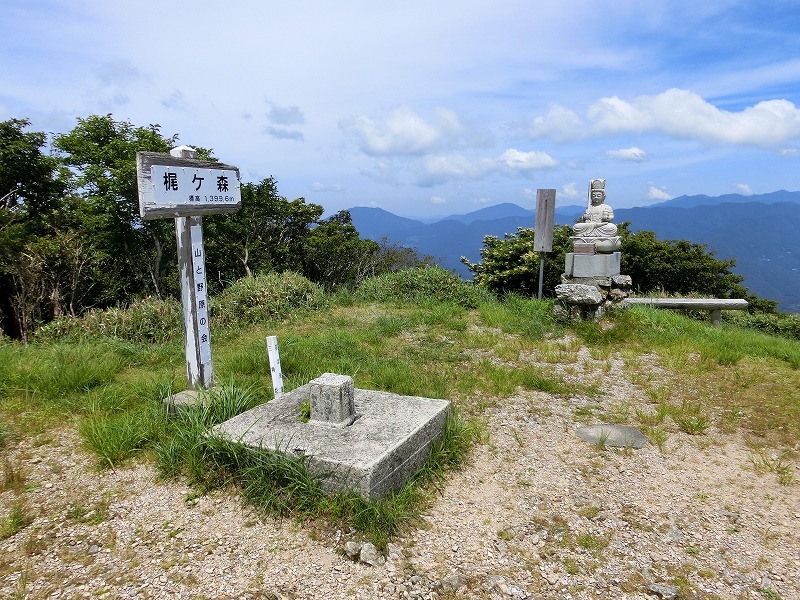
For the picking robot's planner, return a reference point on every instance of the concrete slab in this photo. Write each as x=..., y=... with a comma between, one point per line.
x=387, y=443
x=618, y=436
x=592, y=265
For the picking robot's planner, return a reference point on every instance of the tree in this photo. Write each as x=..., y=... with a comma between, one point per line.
x=267, y=234
x=101, y=155
x=335, y=255
x=511, y=265
x=31, y=186
x=677, y=267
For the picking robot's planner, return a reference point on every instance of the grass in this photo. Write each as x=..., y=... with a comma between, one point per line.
x=457, y=343
x=15, y=521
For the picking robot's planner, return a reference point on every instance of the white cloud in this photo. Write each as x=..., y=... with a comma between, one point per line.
x=632, y=154
x=559, y=124
x=684, y=114
x=518, y=161
x=570, y=190
x=176, y=101
x=744, y=189
x=321, y=187
x=528, y=192
x=438, y=200
x=117, y=72
x=440, y=168
x=404, y=132
x=655, y=193
x=444, y=167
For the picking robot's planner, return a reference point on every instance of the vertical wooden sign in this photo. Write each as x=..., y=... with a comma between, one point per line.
x=178, y=185
x=194, y=299
x=545, y=218
x=543, y=234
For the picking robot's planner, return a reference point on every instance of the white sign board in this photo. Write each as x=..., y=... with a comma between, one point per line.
x=200, y=294
x=181, y=187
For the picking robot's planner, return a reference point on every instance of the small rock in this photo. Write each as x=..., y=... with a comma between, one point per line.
x=674, y=534
x=370, y=555
x=94, y=549
x=353, y=549
x=668, y=592
x=733, y=517
x=395, y=553
x=454, y=582
x=514, y=591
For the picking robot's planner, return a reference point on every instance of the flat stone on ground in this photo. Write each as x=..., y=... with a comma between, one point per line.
x=618, y=436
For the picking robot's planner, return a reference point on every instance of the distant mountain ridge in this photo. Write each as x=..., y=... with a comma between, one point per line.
x=759, y=231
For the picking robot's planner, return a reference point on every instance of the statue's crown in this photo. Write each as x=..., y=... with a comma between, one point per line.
x=597, y=184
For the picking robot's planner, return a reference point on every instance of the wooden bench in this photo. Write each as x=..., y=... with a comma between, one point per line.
x=714, y=306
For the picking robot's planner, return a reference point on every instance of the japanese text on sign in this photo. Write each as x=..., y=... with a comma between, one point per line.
x=200, y=293
x=184, y=185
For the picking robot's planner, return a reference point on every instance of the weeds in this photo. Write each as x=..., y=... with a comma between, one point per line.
x=762, y=463
x=16, y=520
x=13, y=476
x=657, y=436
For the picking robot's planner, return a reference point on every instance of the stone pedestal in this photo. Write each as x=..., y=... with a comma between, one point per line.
x=592, y=265
x=589, y=297
x=332, y=400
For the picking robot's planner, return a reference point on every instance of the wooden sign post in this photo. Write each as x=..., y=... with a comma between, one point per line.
x=543, y=234
x=177, y=185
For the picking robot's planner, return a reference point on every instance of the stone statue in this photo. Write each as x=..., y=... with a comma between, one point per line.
x=596, y=225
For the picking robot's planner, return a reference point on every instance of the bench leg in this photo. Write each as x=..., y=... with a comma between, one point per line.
x=716, y=316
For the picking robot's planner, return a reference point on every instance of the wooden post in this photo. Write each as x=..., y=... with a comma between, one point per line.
x=191, y=188
x=194, y=300
x=543, y=234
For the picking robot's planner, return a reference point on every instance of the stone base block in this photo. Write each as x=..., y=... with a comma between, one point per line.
x=332, y=400
x=592, y=265
x=388, y=442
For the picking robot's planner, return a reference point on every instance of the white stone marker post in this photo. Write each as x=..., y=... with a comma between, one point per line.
x=177, y=185
x=275, y=366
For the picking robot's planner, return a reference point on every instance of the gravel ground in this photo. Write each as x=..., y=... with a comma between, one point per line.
x=537, y=513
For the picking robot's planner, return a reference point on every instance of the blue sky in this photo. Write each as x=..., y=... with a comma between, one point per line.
x=431, y=108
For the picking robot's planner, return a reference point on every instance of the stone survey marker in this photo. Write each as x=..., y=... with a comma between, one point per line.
x=367, y=441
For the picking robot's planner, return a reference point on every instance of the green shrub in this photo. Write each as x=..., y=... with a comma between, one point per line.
x=780, y=324
x=264, y=297
x=146, y=321
x=422, y=285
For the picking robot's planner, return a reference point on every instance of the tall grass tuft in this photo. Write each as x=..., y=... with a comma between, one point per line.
x=420, y=285
x=149, y=321
x=516, y=314
x=116, y=437
x=184, y=447
x=265, y=297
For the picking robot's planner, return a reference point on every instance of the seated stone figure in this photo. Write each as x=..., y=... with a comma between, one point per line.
x=596, y=221
x=596, y=224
